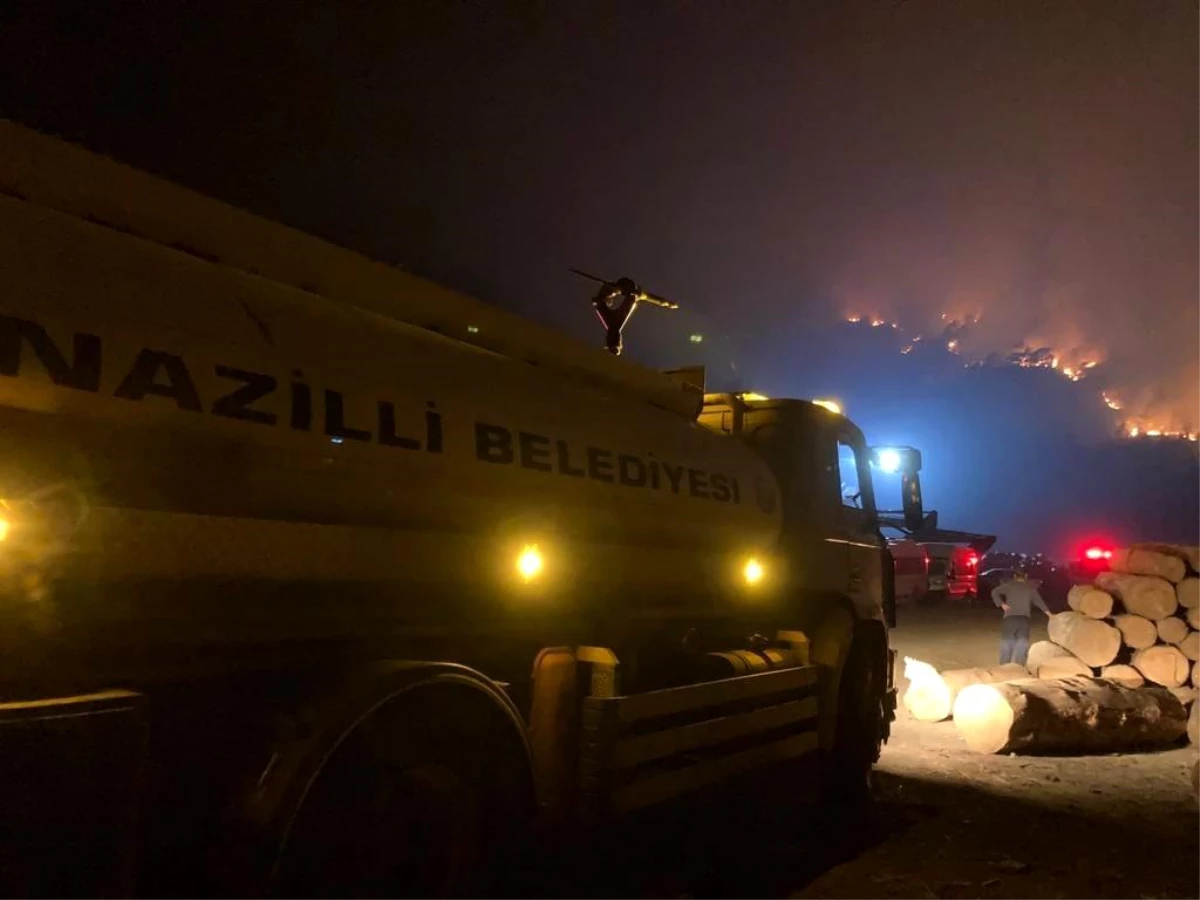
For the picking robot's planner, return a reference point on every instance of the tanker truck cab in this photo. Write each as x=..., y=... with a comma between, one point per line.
x=300, y=552
x=821, y=462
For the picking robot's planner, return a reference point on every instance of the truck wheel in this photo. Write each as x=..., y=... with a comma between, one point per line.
x=408, y=807
x=860, y=732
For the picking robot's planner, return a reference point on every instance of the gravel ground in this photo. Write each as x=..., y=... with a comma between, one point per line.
x=948, y=823
x=1121, y=825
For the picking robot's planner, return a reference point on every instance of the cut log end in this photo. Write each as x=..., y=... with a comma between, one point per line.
x=1187, y=592
x=1096, y=643
x=1190, y=647
x=1162, y=664
x=1150, y=559
x=1143, y=595
x=985, y=718
x=1091, y=601
x=1137, y=632
x=931, y=694
x=1172, y=630
x=1041, y=652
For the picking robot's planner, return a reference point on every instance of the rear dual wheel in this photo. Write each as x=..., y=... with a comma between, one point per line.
x=408, y=807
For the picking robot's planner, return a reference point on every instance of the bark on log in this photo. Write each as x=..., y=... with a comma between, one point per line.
x=1090, y=601
x=1172, y=630
x=1093, y=641
x=1041, y=652
x=1193, y=616
x=1162, y=664
x=1190, y=646
x=1125, y=675
x=930, y=695
x=1187, y=592
x=1142, y=595
x=1071, y=714
x=1136, y=631
x=1193, y=724
x=1196, y=674
x=1063, y=667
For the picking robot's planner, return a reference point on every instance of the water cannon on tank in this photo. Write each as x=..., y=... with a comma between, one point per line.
x=615, y=302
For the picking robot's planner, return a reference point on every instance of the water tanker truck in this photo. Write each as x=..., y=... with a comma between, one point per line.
x=319, y=578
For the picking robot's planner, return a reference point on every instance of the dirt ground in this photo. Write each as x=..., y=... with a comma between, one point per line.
x=1017, y=826
x=948, y=823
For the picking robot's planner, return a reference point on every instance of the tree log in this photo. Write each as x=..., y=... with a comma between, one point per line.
x=1196, y=674
x=1125, y=675
x=1196, y=777
x=1172, y=630
x=930, y=695
x=1192, y=614
x=1041, y=652
x=1136, y=631
x=1189, y=554
x=1142, y=595
x=1162, y=664
x=1063, y=667
x=1070, y=714
x=1090, y=601
x=1193, y=724
x=1190, y=646
x=1144, y=559
x=1093, y=641
x=1187, y=592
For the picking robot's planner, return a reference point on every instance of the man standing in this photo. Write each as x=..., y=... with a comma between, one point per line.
x=1017, y=598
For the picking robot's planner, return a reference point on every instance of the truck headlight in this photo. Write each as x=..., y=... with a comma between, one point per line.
x=753, y=571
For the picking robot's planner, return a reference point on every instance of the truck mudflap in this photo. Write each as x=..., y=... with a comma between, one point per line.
x=642, y=749
x=70, y=780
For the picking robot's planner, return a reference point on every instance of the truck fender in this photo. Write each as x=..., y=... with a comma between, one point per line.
x=260, y=817
x=836, y=632
x=830, y=646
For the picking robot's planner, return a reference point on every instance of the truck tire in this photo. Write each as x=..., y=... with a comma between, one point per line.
x=422, y=802
x=861, y=728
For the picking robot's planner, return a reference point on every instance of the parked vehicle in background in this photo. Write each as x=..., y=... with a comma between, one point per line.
x=1092, y=561
x=912, y=571
x=953, y=572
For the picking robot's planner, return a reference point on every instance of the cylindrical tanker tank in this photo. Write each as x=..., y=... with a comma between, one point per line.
x=215, y=435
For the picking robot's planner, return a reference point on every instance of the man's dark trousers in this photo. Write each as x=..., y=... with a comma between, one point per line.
x=1014, y=640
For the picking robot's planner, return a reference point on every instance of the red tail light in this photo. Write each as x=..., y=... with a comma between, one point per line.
x=1097, y=553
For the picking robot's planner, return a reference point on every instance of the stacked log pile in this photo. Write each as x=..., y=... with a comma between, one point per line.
x=1138, y=624
x=1121, y=669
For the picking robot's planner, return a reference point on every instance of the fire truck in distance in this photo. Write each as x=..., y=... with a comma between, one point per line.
x=319, y=578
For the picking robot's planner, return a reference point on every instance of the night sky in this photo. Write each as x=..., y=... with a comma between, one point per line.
x=1005, y=175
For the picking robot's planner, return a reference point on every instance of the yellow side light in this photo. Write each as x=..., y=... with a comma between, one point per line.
x=753, y=571
x=530, y=562
x=832, y=405
x=752, y=396
x=3, y=528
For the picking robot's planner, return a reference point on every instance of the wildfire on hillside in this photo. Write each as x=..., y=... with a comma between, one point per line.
x=1075, y=365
